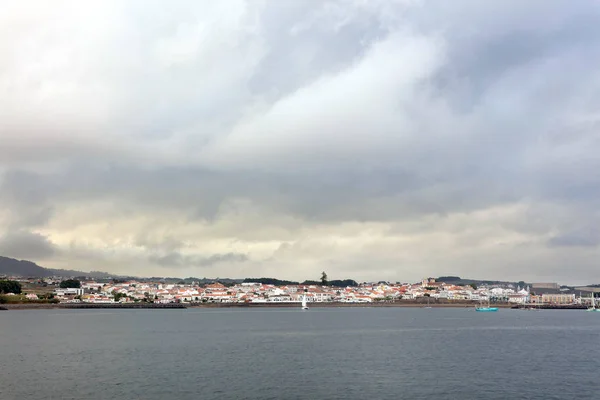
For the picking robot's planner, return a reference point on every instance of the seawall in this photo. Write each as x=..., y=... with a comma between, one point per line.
x=342, y=305
x=411, y=304
x=72, y=306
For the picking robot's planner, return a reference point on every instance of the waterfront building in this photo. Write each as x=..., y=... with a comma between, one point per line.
x=517, y=298
x=558, y=298
x=545, y=285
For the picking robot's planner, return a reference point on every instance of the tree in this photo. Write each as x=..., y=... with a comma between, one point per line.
x=474, y=286
x=118, y=296
x=324, y=278
x=70, y=283
x=7, y=286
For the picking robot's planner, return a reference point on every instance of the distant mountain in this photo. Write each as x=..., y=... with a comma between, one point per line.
x=11, y=266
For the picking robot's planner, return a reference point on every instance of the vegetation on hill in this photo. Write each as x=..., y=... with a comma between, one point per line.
x=269, y=281
x=279, y=282
x=10, y=266
x=456, y=280
x=448, y=279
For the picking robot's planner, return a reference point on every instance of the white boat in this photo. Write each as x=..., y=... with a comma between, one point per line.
x=428, y=306
x=593, y=307
x=304, y=306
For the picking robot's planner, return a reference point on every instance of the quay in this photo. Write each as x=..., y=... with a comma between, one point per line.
x=551, y=306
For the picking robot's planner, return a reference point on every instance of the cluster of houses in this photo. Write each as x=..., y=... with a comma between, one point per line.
x=428, y=289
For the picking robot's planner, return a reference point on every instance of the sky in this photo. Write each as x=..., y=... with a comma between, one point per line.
x=373, y=140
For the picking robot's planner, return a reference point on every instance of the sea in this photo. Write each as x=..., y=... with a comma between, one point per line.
x=284, y=353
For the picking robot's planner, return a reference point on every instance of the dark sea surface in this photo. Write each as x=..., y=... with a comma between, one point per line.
x=327, y=353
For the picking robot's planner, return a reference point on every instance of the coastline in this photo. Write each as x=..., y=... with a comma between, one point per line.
x=182, y=306
x=341, y=305
x=89, y=306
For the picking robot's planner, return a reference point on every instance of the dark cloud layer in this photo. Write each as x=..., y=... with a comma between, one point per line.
x=176, y=259
x=26, y=245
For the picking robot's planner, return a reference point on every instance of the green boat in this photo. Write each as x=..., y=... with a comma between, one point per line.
x=486, y=309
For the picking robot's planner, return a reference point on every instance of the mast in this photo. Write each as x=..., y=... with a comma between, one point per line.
x=304, y=306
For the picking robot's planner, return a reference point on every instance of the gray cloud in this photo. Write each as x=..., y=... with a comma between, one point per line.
x=27, y=245
x=371, y=136
x=176, y=259
x=582, y=238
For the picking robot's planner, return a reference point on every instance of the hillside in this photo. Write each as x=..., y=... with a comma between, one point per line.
x=11, y=266
x=462, y=281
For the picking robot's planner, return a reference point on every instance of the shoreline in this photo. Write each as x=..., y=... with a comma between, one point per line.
x=179, y=306
x=183, y=306
x=341, y=305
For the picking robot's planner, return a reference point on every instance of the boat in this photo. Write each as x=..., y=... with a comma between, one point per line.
x=593, y=307
x=487, y=308
x=304, y=305
x=428, y=306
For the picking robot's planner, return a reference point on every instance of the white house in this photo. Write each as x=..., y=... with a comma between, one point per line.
x=68, y=292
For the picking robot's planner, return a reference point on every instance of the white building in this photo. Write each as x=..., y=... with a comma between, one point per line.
x=68, y=292
x=518, y=298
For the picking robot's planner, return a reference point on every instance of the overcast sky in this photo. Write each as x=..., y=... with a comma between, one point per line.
x=371, y=139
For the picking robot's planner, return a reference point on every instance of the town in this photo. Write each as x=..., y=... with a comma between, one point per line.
x=195, y=293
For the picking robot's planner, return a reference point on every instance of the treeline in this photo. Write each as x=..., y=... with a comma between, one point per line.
x=70, y=284
x=280, y=282
x=7, y=286
x=335, y=283
x=270, y=281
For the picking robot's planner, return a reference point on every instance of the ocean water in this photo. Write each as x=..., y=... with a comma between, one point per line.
x=327, y=353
